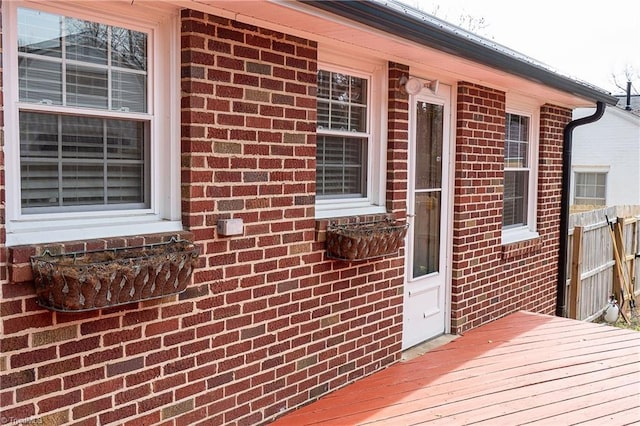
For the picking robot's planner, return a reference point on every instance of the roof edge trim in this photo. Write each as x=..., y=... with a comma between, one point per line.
x=428, y=33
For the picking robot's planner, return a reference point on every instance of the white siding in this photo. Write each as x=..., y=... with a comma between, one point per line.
x=611, y=144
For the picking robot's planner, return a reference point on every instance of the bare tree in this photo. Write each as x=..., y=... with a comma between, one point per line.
x=628, y=73
x=474, y=24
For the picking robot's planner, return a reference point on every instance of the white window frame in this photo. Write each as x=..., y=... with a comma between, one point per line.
x=375, y=72
x=603, y=170
x=164, y=111
x=527, y=108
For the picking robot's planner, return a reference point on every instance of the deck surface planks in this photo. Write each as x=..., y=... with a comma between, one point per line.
x=522, y=369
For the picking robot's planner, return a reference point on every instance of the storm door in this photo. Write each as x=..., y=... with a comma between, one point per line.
x=425, y=309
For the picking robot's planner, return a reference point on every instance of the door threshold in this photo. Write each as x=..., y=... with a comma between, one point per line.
x=426, y=346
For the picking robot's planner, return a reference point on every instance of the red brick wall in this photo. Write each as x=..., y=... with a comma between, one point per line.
x=397, y=142
x=269, y=323
x=491, y=280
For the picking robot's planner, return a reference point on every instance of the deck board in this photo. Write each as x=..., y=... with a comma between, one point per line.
x=524, y=368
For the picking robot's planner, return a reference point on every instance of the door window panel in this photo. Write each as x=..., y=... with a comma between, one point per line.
x=427, y=188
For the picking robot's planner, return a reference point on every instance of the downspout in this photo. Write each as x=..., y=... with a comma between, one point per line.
x=561, y=309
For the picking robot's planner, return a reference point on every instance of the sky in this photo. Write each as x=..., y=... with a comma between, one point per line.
x=587, y=40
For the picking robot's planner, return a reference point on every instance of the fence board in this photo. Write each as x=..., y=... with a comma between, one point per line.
x=590, y=277
x=576, y=272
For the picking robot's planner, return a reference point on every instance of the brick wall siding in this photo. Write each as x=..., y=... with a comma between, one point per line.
x=397, y=142
x=491, y=280
x=268, y=323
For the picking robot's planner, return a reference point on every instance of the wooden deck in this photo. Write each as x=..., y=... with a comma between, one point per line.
x=524, y=368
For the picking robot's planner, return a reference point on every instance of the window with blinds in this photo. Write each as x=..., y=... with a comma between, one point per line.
x=590, y=189
x=83, y=115
x=516, y=171
x=342, y=137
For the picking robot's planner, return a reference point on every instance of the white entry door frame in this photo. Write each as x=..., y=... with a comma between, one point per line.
x=427, y=285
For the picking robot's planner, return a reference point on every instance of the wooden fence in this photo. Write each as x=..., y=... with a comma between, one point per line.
x=592, y=272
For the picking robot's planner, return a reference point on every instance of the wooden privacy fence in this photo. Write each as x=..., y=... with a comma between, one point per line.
x=591, y=267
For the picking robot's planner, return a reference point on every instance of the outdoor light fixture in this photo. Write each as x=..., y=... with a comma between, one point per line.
x=413, y=85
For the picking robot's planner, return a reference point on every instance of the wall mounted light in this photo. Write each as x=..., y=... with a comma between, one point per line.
x=414, y=85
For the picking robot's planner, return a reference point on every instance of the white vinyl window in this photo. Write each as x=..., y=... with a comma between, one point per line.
x=85, y=138
x=350, y=152
x=517, y=168
x=343, y=135
x=520, y=177
x=590, y=189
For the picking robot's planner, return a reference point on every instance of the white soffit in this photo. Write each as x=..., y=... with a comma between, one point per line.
x=305, y=21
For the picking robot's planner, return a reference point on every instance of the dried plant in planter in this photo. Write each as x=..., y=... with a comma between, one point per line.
x=365, y=240
x=92, y=280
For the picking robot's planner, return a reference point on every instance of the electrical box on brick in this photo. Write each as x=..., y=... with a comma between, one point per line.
x=229, y=227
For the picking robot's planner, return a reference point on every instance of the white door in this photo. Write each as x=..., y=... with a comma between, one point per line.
x=425, y=301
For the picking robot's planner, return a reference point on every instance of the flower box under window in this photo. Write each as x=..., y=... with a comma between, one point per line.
x=365, y=240
x=99, y=279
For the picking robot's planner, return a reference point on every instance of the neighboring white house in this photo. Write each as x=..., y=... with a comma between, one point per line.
x=606, y=158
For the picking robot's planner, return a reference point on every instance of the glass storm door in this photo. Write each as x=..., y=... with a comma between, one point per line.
x=425, y=273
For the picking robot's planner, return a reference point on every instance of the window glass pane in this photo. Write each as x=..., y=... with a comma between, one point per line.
x=358, y=91
x=323, y=114
x=71, y=161
x=516, y=142
x=129, y=91
x=38, y=136
x=129, y=49
x=96, y=57
x=339, y=117
x=125, y=183
x=517, y=127
x=342, y=101
x=39, y=33
x=82, y=184
x=125, y=140
x=39, y=183
x=87, y=87
x=40, y=81
x=341, y=166
x=590, y=189
x=86, y=41
x=324, y=84
x=82, y=137
x=426, y=236
x=358, y=119
x=515, y=198
x=429, y=137
x=515, y=154
x=339, y=87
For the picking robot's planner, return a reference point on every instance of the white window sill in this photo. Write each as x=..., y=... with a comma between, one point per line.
x=26, y=233
x=518, y=235
x=326, y=212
